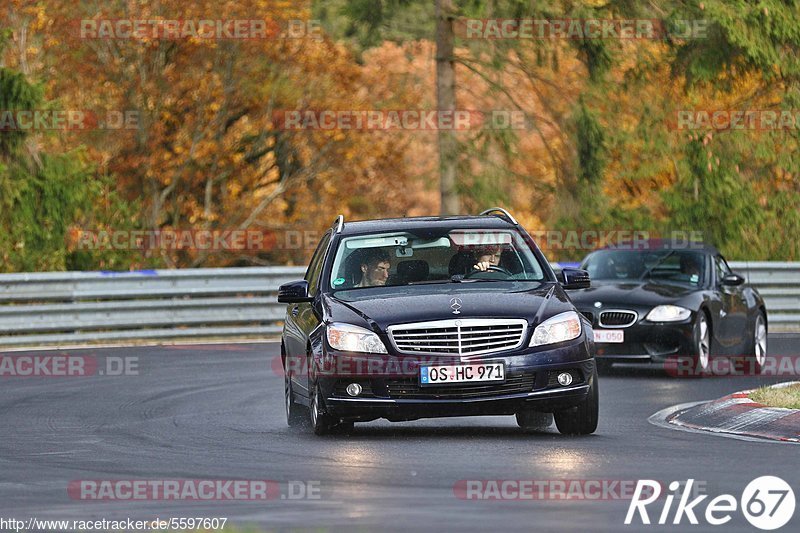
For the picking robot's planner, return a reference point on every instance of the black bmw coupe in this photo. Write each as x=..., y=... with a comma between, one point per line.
x=671, y=306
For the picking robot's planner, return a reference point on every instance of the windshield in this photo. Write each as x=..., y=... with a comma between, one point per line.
x=673, y=266
x=443, y=256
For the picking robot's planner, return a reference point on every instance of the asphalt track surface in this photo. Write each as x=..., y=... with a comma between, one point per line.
x=216, y=412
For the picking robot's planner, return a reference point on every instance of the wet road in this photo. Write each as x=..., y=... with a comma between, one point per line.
x=216, y=412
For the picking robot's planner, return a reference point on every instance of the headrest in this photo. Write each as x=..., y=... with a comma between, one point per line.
x=461, y=263
x=413, y=270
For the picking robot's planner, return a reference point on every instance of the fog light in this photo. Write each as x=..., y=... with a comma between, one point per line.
x=564, y=379
x=354, y=389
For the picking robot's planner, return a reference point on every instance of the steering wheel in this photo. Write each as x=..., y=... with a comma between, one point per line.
x=490, y=268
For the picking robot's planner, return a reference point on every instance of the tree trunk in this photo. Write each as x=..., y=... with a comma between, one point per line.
x=446, y=101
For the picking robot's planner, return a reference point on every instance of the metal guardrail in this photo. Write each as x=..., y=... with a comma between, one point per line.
x=779, y=284
x=78, y=307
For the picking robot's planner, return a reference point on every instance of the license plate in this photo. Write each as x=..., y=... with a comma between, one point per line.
x=609, y=335
x=442, y=375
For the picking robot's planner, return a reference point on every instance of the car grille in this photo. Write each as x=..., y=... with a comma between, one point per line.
x=409, y=389
x=459, y=337
x=589, y=315
x=618, y=319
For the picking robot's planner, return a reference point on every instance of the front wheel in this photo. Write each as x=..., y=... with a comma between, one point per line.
x=321, y=422
x=702, y=344
x=758, y=349
x=582, y=419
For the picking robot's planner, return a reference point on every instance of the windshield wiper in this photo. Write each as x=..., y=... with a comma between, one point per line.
x=454, y=279
x=458, y=278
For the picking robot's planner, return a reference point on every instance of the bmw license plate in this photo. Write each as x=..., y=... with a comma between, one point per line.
x=443, y=375
x=609, y=335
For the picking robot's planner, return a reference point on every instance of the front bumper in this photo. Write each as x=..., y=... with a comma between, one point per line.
x=530, y=384
x=364, y=409
x=650, y=342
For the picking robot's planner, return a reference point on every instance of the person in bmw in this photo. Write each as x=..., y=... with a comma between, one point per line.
x=672, y=306
x=428, y=343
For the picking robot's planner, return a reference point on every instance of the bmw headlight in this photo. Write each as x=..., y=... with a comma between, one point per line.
x=668, y=313
x=349, y=338
x=560, y=328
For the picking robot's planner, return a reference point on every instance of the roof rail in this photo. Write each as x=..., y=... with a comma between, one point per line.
x=339, y=223
x=502, y=212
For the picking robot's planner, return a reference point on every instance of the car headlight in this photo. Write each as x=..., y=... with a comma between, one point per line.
x=668, y=313
x=560, y=328
x=349, y=338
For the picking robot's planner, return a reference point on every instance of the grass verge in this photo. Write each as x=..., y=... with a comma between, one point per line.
x=788, y=397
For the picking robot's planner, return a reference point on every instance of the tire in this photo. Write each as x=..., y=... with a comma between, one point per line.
x=758, y=344
x=321, y=422
x=582, y=419
x=701, y=354
x=534, y=420
x=295, y=413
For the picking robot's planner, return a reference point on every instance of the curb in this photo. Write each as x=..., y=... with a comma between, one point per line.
x=734, y=415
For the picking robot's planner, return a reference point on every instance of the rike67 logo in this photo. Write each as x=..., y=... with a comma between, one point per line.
x=767, y=503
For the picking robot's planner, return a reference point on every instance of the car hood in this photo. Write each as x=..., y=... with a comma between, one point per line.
x=421, y=304
x=633, y=294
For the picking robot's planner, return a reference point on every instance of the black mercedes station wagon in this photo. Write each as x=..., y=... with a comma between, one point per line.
x=435, y=317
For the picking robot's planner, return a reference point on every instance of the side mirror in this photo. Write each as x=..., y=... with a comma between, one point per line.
x=574, y=278
x=732, y=280
x=294, y=292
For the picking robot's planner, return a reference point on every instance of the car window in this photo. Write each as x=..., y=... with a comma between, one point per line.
x=433, y=256
x=315, y=266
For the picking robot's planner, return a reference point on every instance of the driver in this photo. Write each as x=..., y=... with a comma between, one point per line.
x=691, y=265
x=487, y=257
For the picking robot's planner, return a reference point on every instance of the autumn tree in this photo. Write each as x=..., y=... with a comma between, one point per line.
x=43, y=190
